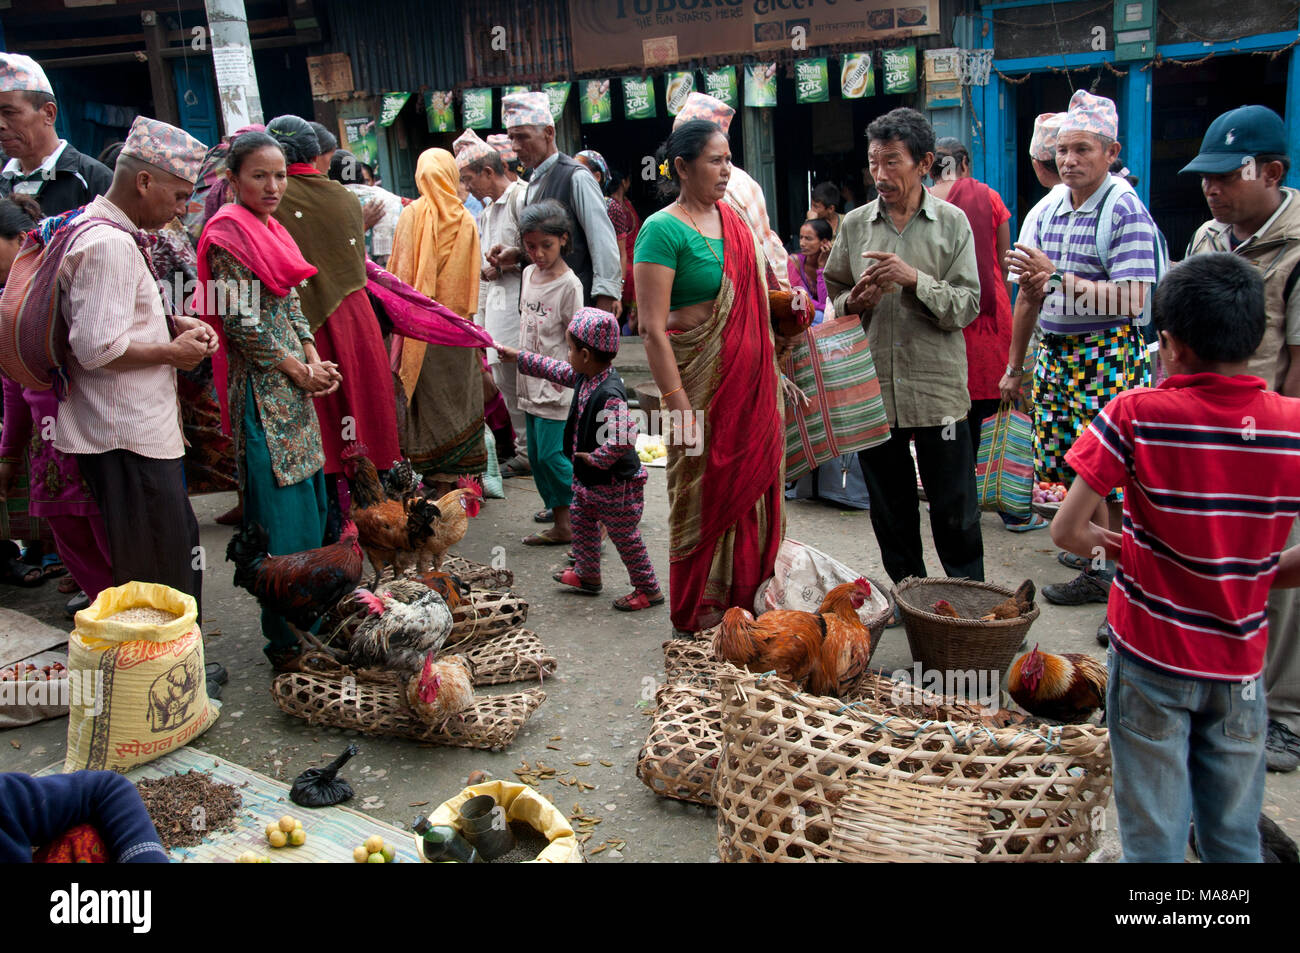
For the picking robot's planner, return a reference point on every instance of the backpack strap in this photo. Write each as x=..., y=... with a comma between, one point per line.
x=1291, y=280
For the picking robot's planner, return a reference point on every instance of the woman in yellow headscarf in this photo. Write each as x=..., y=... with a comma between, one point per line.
x=436, y=251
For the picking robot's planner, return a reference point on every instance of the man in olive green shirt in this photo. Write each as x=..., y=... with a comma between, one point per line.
x=906, y=263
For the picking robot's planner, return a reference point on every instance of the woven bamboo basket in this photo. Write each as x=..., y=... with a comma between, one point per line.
x=477, y=575
x=487, y=615
x=516, y=656
x=680, y=756
x=377, y=706
x=893, y=820
x=944, y=644
x=787, y=760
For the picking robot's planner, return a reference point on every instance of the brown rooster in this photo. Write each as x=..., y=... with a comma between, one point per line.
x=451, y=587
x=944, y=607
x=390, y=530
x=301, y=587
x=827, y=649
x=1065, y=688
x=443, y=688
x=1013, y=608
x=455, y=511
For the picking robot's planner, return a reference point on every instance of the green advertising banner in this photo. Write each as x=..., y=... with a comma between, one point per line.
x=392, y=105
x=511, y=90
x=678, y=87
x=596, y=104
x=362, y=140
x=558, y=94
x=760, y=84
x=639, y=97
x=857, y=76
x=721, y=84
x=476, y=108
x=439, y=110
x=811, y=81
x=900, y=70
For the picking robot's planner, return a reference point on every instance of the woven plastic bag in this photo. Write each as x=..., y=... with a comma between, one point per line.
x=493, y=485
x=1004, y=466
x=150, y=694
x=802, y=577
x=521, y=803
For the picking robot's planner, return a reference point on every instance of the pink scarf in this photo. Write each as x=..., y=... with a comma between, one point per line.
x=268, y=251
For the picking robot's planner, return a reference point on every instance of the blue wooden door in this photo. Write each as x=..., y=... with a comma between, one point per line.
x=196, y=99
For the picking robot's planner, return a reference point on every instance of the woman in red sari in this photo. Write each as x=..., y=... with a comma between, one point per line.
x=702, y=295
x=325, y=220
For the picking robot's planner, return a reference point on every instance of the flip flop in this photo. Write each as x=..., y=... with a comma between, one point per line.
x=544, y=516
x=52, y=566
x=510, y=471
x=67, y=585
x=571, y=579
x=542, y=539
x=1036, y=522
x=636, y=601
x=18, y=573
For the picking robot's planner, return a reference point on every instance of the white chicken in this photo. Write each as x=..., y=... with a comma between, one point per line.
x=396, y=635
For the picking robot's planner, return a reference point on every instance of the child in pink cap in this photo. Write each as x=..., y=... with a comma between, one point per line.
x=600, y=438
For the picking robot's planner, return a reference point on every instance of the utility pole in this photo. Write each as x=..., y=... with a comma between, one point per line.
x=232, y=56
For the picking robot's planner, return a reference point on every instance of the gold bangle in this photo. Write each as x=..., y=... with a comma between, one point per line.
x=673, y=391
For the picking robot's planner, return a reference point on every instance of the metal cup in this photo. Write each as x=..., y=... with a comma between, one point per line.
x=483, y=823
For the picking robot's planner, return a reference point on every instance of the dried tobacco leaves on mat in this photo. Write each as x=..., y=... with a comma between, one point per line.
x=185, y=807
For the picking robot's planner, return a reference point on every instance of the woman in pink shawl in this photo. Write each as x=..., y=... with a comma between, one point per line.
x=253, y=263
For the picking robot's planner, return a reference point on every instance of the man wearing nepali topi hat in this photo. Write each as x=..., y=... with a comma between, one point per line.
x=593, y=247
x=41, y=164
x=122, y=416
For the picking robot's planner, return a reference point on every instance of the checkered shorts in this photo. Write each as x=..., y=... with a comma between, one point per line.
x=1075, y=376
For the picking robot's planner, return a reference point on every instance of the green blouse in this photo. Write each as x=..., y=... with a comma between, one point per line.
x=666, y=240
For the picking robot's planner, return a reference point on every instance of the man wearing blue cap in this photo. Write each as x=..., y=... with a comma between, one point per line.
x=1242, y=163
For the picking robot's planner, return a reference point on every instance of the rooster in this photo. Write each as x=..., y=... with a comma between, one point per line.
x=1013, y=608
x=401, y=482
x=301, y=587
x=443, y=688
x=451, y=587
x=397, y=635
x=828, y=649
x=390, y=530
x=455, y=511
x=1066, y=688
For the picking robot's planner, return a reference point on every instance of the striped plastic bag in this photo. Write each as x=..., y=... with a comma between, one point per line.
x=1004, y=466
x=832, y=365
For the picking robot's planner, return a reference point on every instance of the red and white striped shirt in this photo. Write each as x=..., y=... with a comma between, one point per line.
x=1210, y=467
x=112, y=300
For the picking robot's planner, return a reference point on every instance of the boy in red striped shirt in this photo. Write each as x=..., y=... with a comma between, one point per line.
x=1210, y=467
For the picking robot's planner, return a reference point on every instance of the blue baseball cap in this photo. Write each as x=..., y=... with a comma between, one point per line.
x=1236, y=136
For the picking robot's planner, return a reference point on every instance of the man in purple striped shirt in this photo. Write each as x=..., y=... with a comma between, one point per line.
x=122, y=418
x=1084, y=274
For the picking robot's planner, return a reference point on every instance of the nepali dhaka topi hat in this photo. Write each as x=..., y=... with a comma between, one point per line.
x=1089, y=113
x=595, y=328
x=22, y=74
x=526, y=109
x=703, y=106
x=170, y=149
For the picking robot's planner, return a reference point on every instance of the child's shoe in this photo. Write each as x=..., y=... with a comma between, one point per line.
x=636, y=601
x=571, y=579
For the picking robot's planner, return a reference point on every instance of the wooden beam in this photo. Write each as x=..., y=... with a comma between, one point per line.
x=160, y=75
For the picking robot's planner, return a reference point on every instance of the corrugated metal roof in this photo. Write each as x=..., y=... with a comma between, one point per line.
x=398, y=44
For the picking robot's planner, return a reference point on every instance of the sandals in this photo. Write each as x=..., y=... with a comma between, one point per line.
x=571, y=579
x=509, y=471
x=1035, y=522
x=544, y=516
x=67, y=585
x=638, y=600
x=52, y=566
x=14, y=571
x=545, y=539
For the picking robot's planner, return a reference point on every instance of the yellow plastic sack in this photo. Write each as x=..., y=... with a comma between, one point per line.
x=148, y=693
x=521, y=803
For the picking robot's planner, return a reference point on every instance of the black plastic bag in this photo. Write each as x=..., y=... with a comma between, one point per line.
x=319, y=787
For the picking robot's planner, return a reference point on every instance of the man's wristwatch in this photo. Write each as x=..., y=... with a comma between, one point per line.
x=1013, y=371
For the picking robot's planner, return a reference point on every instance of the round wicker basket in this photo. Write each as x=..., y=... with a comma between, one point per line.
x=946, y=644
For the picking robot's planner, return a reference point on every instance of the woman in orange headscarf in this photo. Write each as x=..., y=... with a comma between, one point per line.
x=436, y=251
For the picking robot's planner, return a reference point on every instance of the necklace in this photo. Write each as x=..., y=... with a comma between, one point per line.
x=701, y=234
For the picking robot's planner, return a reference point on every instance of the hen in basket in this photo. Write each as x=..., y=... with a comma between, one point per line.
x=443, y=688
x=828, y=649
